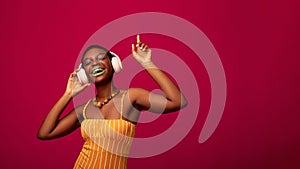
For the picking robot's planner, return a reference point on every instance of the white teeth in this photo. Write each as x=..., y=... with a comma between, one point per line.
x=97, y=71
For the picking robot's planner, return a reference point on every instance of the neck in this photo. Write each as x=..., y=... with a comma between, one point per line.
x=105, y=90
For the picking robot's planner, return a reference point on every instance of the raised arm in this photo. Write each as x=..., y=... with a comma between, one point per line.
x=172, y=100
x=54, y=127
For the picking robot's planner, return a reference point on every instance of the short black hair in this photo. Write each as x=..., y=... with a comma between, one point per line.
x=97, y=47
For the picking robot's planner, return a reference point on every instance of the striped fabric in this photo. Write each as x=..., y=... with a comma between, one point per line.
x=107, y=142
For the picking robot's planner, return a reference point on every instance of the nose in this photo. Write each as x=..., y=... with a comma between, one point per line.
x=95, y=62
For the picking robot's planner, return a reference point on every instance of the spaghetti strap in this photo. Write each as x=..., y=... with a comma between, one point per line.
x=122, y=105
x=84, y=109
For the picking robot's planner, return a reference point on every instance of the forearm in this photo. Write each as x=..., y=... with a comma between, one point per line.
x=173, y=99
x=52, y=118
x=171, y=91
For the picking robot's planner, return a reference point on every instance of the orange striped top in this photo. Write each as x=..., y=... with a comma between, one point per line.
x=107, y=142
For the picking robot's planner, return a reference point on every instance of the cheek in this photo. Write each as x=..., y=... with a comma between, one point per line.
x=108, y=64
x=86, y=71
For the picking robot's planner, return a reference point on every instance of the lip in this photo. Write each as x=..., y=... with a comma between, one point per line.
x=97, y=71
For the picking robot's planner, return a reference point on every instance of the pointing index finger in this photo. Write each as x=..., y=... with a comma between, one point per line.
x=138, y=41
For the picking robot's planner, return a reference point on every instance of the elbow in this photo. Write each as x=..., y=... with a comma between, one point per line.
x=184, y=103
x=177, y=106
x=41, y=136
x=180, y=103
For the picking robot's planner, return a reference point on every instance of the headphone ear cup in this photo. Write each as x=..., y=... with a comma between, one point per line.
x=83, y=79
x=116, y=63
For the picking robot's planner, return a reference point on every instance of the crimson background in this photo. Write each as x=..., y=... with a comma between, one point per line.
x=257, y=42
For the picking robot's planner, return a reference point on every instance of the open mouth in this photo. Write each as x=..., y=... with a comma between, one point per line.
x=97, y=71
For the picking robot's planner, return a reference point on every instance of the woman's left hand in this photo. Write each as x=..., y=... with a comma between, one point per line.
x=141, y=52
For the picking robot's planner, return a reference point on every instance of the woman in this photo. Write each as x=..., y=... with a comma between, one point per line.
x=108, y=121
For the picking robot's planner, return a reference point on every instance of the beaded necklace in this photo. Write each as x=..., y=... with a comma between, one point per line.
x=105, y=101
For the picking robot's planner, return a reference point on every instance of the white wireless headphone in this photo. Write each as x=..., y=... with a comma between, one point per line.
x=116, y=64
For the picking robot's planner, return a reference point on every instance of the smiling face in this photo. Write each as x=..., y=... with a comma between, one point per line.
x=97, y=65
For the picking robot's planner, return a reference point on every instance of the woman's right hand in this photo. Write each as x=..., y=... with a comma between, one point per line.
x=74, y=86
x=53, y=126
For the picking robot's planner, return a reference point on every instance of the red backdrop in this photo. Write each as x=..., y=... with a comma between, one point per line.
x=258, y=45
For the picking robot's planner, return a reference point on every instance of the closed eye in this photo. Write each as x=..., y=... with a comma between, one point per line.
x=101, y=57
x=87, y=62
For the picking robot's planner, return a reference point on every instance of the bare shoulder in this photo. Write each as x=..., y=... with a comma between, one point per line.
x=136, y=92
x=80, y=107
x=138, y=97
x=79, y=110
